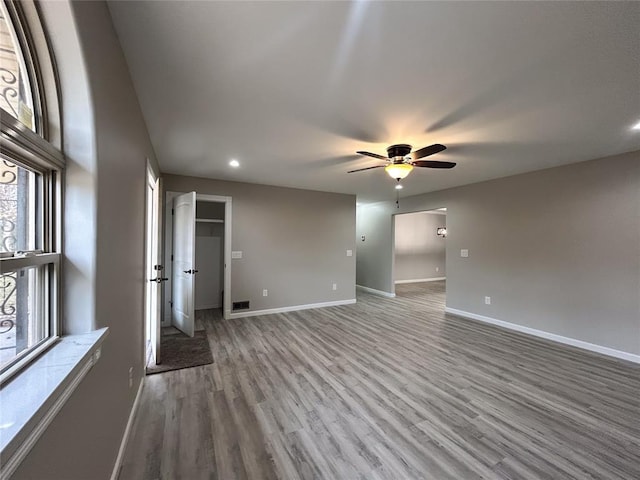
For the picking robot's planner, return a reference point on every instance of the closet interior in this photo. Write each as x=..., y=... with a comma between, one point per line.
x=209, y=283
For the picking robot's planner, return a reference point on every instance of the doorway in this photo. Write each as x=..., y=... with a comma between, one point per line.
x=209, y=242
x=153, y=269
x=210, y=248
x=419, y=253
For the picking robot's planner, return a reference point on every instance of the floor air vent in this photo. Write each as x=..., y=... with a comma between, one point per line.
x=241, y=305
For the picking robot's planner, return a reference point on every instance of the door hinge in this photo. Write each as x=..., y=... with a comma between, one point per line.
x=171, y=303
x=172, y=211
x=172, y=257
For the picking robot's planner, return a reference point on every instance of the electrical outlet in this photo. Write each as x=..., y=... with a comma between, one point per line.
x=487, y=300
x=335, y=286
x=349, y=253
x=464, y=253
x=130, y=377
x=437, y=269
x=265, y=292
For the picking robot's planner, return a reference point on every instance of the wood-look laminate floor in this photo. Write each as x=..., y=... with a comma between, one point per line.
x=386, y=389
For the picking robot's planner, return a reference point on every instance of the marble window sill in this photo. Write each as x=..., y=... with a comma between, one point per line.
x=33, y=397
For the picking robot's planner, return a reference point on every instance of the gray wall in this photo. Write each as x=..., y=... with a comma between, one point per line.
x=558, y=250
x=419, y=251
x=209, y=282
x=214, y=210
x=293, y=242
x=106, y=142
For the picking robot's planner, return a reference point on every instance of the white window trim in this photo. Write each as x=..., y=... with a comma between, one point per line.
x=37, y=151
x=29, y=404
x=27, y=146
x=16, y=262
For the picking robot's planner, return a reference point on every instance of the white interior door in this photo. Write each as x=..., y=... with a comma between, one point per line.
x=183, y=274
x=153, y=269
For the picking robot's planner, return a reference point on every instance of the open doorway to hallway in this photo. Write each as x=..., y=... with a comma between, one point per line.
x=419, y=261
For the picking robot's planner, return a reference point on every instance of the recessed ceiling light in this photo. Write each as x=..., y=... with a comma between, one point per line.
x=234, y=163
x=636, y=126
x=399, y=187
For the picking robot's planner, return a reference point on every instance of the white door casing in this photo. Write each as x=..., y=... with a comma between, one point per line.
x=226, y=301
x=152, y=250
x=184, y=269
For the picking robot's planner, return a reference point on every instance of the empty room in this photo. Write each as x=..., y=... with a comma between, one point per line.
x=319, y=240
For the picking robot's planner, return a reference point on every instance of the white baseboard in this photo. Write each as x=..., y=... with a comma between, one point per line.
x=376, y=292
x=127, y=431
x=293, y=308
x=630, y=357
x=420, y=280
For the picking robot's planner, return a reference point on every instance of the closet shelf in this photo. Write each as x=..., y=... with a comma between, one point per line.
x=209, y=220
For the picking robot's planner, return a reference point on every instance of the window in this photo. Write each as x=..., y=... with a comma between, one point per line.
x=30, y=169
x=15, y=92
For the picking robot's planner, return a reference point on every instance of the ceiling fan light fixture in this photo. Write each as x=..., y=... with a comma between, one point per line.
x=398, y=171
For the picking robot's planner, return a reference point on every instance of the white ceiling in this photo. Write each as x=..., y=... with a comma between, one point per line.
x=293, y=89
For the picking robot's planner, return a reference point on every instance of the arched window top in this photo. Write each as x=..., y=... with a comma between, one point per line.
x=16, y=94
x=28, y=79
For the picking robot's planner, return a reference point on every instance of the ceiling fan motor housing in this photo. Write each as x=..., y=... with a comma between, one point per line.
x=400, y=150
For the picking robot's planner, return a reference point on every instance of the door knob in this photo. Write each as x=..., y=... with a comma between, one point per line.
x=190, y=271
x=158, y=280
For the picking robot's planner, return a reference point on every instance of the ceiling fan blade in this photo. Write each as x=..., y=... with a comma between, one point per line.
x=426, y=151
x=367, y=168
x=433, y=164
x=374, y=155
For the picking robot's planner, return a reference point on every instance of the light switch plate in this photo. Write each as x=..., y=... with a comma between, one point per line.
x=236, y=254
x=349, y=253
x=464, y=253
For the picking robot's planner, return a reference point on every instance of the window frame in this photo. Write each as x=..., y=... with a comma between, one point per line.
x=37, y=151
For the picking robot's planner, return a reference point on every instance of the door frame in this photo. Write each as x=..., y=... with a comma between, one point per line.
x=152, y=182
x=393, y=244
x=168, y=251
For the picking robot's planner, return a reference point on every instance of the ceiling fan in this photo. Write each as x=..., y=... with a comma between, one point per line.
x=401, y=160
